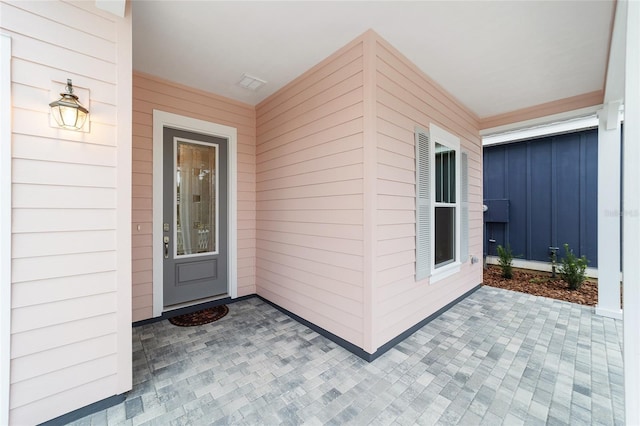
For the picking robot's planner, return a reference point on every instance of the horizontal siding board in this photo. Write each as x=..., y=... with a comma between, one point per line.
x=40, y=268
x=331, y=202
x=41, y=363
x=31, y=147
x=337, y=259
x=36, y=123
x=329, y=189
x=50, y=196
x=343, y=217
x=61, y=12
x=390, y=202
x=141, y=191
x=394, y=159
x=390, y=133
x=396, y=273
x=56, y=335
x=387, y=144
x=28, y=73
x=185, y=103
x=322, y=124
x=330, y=230
x=139, y=265
x=345, y=298
x=387, y=232
x=143, y=289
x=64, y=174
x=335, y=273
x=64, y=401
x=141, y=312
x=141, y=277
x=40, y=387
x=397, y=189
x=391, y=94
x=329, y=244
x=396, y=259
x=327, y=162
x=62, y=220
x=395, y=245
x=169, y=89
x=63, y=311
x=57, y=57
x=58, y=243
x=396, y=174
x=344, y=81
x=394, y=217
x=48, y=290
x=190, y=110
x=317, y=154
x=347, y=172
x=348, y=132
x=350, y=103
x=389, y=56
x=277, y=103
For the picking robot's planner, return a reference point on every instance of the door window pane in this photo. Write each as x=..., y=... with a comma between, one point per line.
x=196, y=198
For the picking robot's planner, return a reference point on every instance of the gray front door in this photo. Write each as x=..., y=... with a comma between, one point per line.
x=195, y=216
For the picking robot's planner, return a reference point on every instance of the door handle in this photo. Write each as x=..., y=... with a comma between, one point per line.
x=166, y=247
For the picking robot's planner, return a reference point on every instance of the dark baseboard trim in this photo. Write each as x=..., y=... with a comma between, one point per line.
x=408, y=332
x=382, y=349
x=321, y=331
x=190, y=309
x=85, y=411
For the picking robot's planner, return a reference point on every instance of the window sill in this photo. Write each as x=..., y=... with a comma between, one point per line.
x=444, y=272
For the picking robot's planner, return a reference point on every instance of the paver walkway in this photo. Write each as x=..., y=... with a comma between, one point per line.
x=497, y=357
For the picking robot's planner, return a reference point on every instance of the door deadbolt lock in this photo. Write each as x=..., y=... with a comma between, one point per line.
x=166, y=247
x=165, y=227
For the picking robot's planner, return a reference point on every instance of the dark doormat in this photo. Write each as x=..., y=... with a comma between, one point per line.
x=204, y=316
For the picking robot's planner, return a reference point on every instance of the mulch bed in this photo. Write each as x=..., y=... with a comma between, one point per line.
x=541, y=284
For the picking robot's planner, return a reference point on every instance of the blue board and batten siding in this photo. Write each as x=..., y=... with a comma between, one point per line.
x=549, y=187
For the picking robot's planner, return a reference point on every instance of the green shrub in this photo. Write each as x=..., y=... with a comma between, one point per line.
x=572, y=270
x=505, y=259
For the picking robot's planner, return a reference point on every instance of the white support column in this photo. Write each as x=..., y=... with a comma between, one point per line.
x=631, y=217
x=609, y=211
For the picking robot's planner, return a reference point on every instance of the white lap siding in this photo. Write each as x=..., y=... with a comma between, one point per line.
x=69, y=285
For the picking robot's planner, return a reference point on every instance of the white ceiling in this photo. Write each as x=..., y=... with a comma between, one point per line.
x=494, y=57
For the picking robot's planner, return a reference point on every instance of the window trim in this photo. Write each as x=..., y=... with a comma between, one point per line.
x=441, y=136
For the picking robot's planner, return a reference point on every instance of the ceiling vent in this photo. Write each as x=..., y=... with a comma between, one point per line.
x=250, y=82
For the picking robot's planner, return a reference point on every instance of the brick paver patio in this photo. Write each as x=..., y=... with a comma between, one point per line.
x=497, y=357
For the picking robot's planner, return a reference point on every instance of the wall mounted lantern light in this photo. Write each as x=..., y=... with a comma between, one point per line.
x=67, y=111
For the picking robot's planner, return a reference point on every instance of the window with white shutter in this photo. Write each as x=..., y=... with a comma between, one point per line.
x=464, y=208
x=423, y=205
x=442, y=230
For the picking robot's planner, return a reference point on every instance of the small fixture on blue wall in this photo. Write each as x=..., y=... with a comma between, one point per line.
x=67, y=111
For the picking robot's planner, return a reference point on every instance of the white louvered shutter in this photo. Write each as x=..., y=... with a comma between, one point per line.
x=464, y=208
x=423, y=205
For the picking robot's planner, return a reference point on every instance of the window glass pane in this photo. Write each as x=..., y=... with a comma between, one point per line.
x=445, y=222
x=445, y=174
x=196, y=198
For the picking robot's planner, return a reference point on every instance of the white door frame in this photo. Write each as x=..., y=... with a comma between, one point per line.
x=163, y=119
